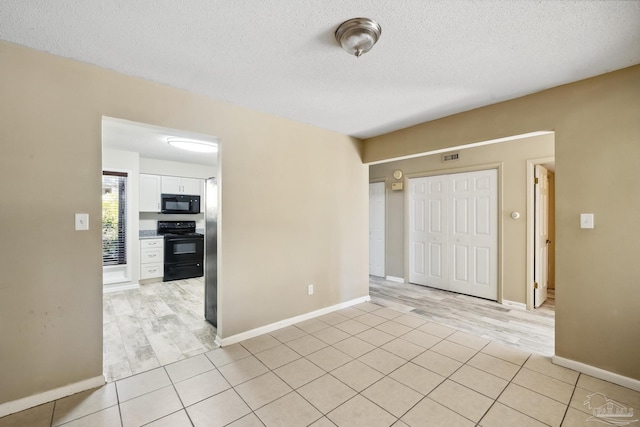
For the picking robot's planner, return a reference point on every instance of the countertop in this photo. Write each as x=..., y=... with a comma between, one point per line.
x=149, y=234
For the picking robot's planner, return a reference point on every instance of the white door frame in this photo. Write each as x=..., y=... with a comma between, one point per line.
x=384, y=264
x=407, y=209
x=531, y=163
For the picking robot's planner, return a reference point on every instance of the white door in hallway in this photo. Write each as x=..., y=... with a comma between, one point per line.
x=427, y=235
x=541, y=257
x=376, y=228
x=454, y=232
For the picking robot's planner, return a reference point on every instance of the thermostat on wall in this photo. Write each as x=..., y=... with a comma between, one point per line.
x=396, y=186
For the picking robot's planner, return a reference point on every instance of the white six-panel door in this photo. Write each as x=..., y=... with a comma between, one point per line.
x=453, y=243
x=427, y=231
x=376, y=229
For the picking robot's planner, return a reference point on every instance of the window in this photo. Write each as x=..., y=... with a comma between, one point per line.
x=114, y=218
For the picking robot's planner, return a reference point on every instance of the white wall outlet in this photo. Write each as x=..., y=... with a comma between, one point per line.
x=587, y=220
x=310, y=289
x=82, y=221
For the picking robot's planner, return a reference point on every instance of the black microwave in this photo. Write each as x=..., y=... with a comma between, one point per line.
x=180, y=204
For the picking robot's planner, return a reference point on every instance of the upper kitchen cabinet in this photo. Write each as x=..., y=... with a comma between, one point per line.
x=150, y=189
x=179, y=185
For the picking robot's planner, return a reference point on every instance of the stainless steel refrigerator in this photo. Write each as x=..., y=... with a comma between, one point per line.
x=211, y=252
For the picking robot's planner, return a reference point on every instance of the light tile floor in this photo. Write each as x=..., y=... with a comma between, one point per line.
x=367, y=365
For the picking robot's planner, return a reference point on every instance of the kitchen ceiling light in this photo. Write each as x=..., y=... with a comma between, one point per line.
x=193, y=145
x=358, y=35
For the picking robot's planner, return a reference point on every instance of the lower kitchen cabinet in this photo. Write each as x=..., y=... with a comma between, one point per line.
x=151, y=258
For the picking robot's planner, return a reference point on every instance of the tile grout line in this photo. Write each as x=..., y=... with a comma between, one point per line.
x=118, y=402
x=462, y=385
x=575, y=387
x=503, y=390
x=173, y=385
x=526, y=388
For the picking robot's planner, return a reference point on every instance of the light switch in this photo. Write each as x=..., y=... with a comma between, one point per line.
x=82, y=221
x=586, y=220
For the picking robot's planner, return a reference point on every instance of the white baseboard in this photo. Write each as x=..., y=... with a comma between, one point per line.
x=514, y=304
x=612, y=377
x=287, y=322
x=116, y=288
x=50, y=395
x=395, y=279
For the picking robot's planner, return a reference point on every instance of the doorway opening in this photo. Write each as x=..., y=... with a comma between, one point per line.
x=149, y=322
x=541, y=233
x=377, y=228
x=511, y=157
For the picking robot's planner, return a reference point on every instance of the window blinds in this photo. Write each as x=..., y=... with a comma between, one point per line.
x=114, y=218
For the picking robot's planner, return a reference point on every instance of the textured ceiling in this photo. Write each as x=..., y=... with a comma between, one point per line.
x=434, y=58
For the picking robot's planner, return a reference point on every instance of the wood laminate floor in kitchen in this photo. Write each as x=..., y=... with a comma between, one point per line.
x=157, y=324
x=162, y=323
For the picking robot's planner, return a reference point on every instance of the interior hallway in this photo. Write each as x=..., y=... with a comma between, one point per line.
x=530, y=330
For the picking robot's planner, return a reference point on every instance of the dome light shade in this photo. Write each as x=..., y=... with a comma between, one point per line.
x=358, y=35
x=193, y=145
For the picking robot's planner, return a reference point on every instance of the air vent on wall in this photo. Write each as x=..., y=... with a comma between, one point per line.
x=450, y=157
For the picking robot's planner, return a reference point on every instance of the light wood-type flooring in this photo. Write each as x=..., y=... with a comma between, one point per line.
x=162, y=323
x=530, y=330
x=158, y=324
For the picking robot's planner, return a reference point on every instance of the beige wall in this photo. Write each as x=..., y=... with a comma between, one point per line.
x=512, y=158
x=294, y=212
x=597, y=152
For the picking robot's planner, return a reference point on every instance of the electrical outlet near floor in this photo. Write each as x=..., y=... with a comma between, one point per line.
x=310, y=288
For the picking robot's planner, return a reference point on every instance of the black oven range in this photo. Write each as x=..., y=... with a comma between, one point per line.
x=183, y=250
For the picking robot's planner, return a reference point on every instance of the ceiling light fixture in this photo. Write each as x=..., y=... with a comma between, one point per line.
x=358, y=35
x=193, y=145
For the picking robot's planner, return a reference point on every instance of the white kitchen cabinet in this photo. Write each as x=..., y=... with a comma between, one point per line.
x=150, y=189
x=180, y=185
x=151, y=258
